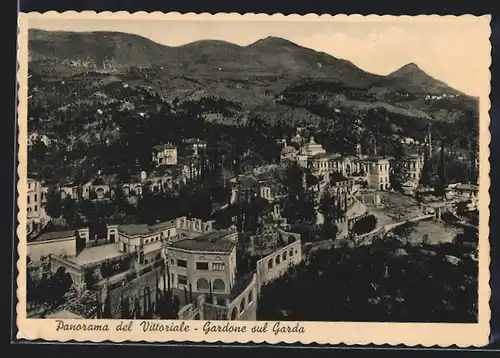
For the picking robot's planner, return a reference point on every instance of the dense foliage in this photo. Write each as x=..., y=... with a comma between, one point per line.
x=380, y=282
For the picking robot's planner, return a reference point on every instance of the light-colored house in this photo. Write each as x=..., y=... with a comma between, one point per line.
x=164, y=154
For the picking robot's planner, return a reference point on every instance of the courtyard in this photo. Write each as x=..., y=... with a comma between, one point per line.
x=394, y=207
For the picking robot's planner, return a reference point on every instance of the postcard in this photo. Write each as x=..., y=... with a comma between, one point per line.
x=253, y=178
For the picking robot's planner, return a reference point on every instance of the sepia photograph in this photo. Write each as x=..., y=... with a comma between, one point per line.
x=260, y=170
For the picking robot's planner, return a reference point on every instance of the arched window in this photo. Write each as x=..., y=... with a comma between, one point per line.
x=219, y=285
x=291, y=252
x=234, y=313
x=250, y=297
x=242, y=305
x=202, y=284
x=278, y=259
x=270, y=264
x=284, y=255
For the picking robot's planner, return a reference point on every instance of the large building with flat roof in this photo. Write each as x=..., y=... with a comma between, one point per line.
x=204, y=264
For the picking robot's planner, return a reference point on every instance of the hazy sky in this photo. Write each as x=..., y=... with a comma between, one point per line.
x=454, y=50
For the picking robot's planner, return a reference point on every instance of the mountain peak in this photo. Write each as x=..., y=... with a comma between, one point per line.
x=273, y=41
x=410, y=68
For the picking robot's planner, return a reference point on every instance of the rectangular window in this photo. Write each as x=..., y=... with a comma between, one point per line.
x=29, y=185
x=218, y=266
x=181, y=280
x=36, y=207
x=35, y=197
x=172, y=262
x=182, y=263
x=202, y=266
x=28, y=199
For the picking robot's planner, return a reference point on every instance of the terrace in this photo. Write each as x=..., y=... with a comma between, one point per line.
x=241, y=283
x=97, y=254
x=216, y=242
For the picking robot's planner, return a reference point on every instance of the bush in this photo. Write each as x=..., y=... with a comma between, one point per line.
x=365, y=225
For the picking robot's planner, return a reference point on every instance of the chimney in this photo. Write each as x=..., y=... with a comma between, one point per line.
x=84, y=234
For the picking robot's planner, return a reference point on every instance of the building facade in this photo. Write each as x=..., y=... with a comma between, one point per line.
x=375, y=171
x=164, y=154
x=204, y=264
x=379, y=171
x=414, y=164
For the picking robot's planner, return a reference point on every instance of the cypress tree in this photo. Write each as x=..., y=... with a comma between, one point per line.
x=150, y=302
x=185, y=296
x=145, y=303
x=168, y=277
x=107, y=305
x=125, y=313
x=137, y=309
x=158, y=298
x=442, y=172
x=425, y=178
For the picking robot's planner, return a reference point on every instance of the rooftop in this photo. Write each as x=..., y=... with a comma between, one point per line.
x=54, y=235
x=97, y=254
x=161, y=147
x=144, y=229
x=216, y=241
x=356, y=210
x=162, y=225
x=378, y=158
x=326, y=156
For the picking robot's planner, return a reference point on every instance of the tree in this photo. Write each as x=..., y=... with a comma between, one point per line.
x=327, y=206
x=30, y=286
x=125, y=310
x=53, y=205
x=399, y=167
x=441, y=186
x=425, y=178
x=329, y=230
x=106, y=312
x=365, y=225
x=70, y=212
